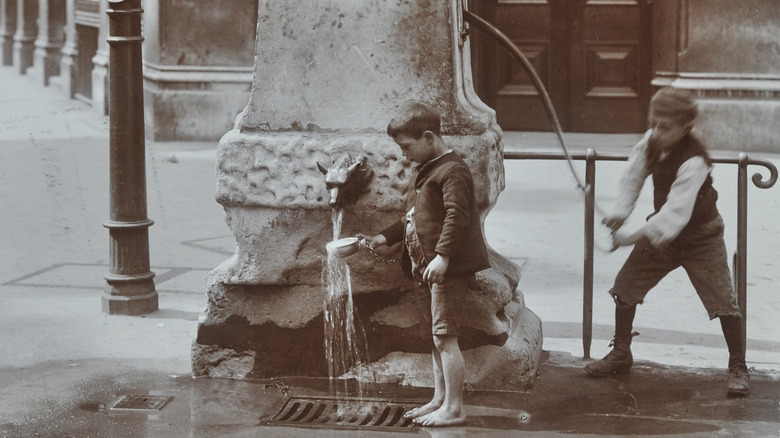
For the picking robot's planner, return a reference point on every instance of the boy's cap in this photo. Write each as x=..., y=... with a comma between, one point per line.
x=669, y=101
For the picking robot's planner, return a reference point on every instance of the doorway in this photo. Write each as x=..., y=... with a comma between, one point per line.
x=593, y=57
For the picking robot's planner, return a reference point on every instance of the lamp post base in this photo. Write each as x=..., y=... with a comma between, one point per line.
x=130, y=295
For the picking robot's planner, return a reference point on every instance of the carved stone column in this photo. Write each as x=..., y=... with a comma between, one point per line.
x=327, y=80
x=24, y=38
x=100, y=68
x=51, y=36
x=7, y=30
x=69, y=53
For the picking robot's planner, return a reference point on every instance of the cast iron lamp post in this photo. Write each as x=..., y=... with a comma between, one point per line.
x=130, y=289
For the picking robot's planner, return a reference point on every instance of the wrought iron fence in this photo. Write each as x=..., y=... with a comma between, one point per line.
x=590, y=156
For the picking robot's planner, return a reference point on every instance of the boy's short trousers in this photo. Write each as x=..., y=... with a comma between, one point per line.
x=701, y=251
x=447, y=303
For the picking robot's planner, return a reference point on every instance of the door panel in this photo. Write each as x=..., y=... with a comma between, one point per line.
x=592, y=56
x=608, y=91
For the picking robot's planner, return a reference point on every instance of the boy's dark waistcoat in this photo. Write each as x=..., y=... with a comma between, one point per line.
x=446, y=216
x=665, y=172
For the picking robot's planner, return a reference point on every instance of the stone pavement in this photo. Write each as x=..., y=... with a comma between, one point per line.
x=64, y=362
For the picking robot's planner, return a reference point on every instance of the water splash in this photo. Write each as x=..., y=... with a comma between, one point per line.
x=345, y=340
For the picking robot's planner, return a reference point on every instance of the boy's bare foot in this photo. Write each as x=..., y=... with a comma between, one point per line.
x=441, y=417
x=425, y=409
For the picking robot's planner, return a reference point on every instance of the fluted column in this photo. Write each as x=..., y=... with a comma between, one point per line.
x=69, y=53
x=100, y=70
x=24, y=38
x=51, y=36
x=7, y=30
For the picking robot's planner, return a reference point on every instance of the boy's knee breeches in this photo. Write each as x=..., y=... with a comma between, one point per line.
x=704, y=259
x=447, y=304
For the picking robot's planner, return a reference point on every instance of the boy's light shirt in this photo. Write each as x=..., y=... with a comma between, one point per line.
x=676, y=212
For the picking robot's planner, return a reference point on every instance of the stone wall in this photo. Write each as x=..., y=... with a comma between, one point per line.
x=729, y=53
x=198, y=57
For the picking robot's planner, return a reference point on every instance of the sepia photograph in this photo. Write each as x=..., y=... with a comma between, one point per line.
x=380, y=218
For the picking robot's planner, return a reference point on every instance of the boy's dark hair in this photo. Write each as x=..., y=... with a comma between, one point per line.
x=413, y=118
x=676, y=103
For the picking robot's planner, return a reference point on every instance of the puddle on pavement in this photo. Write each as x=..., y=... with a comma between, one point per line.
x=564, y=401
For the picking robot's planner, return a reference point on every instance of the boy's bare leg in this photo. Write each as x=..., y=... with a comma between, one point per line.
x=438, y=390
x=453, y=369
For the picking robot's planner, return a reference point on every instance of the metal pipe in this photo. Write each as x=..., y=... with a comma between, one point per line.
x=741, y=256
x=130, y=289
x=529, y=68
x=587, y=283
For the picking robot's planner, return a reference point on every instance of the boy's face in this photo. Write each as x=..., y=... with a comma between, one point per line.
x=667, y=131
x=418, y=150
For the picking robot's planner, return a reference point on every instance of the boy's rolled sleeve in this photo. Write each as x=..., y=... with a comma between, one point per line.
x=633, y=179
x=394, y=233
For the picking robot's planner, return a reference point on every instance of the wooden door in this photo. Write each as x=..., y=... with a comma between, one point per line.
x=593, y=57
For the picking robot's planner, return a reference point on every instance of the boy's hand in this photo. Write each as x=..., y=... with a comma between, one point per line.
x=434, y=272
x=373, y=241
x=623, y=238
x=614, y=222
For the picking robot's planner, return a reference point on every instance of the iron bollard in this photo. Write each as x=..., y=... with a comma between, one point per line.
x=130, y=289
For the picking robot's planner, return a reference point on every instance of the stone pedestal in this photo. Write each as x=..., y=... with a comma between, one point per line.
x=327, y=81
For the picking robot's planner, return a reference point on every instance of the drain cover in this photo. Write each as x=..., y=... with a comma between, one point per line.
x=141, y=403
x=327, y=413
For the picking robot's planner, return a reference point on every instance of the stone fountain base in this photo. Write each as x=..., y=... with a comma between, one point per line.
x=236, y=339
x=264, y=317
x=511, y=366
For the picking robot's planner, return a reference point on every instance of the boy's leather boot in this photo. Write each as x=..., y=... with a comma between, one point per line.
x=619, y=360
x=739, y=378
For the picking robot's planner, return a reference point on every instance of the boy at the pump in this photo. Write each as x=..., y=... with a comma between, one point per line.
x=443, y=248
x=685, y=230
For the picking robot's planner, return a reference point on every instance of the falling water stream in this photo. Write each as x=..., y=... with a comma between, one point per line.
x=345, y=341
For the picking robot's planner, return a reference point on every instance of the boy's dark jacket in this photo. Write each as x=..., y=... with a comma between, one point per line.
x=446, y=216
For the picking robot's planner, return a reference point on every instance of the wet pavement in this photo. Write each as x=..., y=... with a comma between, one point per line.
x=651, y=401
x=64, y=363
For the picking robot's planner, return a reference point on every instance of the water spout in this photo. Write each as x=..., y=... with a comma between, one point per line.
x=346, y=179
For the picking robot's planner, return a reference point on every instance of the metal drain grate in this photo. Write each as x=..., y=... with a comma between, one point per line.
x=327, y=413
x=141, y=403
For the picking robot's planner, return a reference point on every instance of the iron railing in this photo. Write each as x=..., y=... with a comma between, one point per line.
x=590, y=156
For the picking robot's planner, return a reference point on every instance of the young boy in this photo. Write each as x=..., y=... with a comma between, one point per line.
x=443, y=248
x=685, y=230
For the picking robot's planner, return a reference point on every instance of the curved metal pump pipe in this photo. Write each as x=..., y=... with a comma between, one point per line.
x=529, y=68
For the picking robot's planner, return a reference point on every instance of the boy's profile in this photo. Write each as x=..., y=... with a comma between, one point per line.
x=443, y=248
x=685, y=230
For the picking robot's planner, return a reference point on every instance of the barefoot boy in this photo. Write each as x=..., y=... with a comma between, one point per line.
x=685, y=230
x=443, y=248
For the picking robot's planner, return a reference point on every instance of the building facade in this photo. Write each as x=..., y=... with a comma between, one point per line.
x=599, y=59
x=198, y=58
